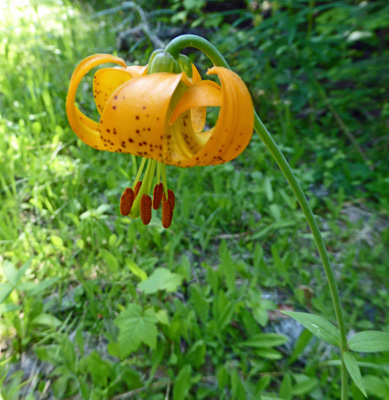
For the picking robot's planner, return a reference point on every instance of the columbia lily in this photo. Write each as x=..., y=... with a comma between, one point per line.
x=160, y=116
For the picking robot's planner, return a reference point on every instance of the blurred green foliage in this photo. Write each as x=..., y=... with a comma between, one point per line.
x=94, y=305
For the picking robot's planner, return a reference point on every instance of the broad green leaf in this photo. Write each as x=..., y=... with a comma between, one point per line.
x=47, y=320
x=136, y=326
x=182, y=383
x=5, y=291
x=320, y=327
x=136, y=270
x=369, y=341
x=57, y=241
x=353, y=370
x=160, y=279
x=304, y=384
x=265, y=340
x=375, y=386
x=99, y=369
x=10, y=272
x=163, y=317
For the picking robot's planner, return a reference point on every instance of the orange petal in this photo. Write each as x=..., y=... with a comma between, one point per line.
x=202, y=94
x=235, y=124
x=134, y=118
x=105, y=82
x=85, y=128
x=137, y=70
x=196, y=77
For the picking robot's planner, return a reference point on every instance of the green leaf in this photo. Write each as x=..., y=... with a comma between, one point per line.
x=57, y=241
x=304, y=384
x=369, y=341
x=182, y=384
x=200, y=304
x=286, y=388
x=320, y=327
x=375, y=386
x=237, y=387
x=10, y=272
x=270, y=398
x=160, y=279
x=163, y=317
x=136, y=270
x=268, y=353
x=227, y=266
x=135, y=326
x=22, y=270
x=47, y=320
x=353, y=370
x=5, y=291
x=301, y=343
x=265, y=340
x=110, y=260
x=99, y=369
x=225, y=317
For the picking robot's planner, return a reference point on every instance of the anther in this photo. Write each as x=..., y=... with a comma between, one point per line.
x=137, y=188
x=157, y=195
x=126, y=201
x=171, y=198
x=145, y=209
x=167, y=214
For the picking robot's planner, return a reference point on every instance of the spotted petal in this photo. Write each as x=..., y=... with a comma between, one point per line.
x=85, y=128
x=134, y=119
x=235, y=123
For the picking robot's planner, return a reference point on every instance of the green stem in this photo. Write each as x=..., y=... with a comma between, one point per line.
x=174, y=47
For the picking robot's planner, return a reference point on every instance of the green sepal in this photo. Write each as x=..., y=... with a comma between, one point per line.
x=160, y=61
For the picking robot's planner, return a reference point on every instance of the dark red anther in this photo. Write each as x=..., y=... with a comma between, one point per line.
x=126, y=201
x=157, y=195
x=145, y=209
x=171, y=198
x=167, y=214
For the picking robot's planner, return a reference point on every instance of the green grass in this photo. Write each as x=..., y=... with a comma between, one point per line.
x=239, y=247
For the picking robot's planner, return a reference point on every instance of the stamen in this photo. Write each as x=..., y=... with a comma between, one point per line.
x=157, y=195
x=171, y=198
x=126, y=201
x=167, y=214
x=145, y=209
x=137, y=188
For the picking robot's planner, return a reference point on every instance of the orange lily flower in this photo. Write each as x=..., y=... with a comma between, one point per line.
x=161, y=117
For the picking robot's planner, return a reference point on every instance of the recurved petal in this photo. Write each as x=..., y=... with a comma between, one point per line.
x=234, y=127
x=202, y=94
x=105, y=82
x=134, y=118
x=85, y=128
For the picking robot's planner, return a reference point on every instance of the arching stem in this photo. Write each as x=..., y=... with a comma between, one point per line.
x=174, y=47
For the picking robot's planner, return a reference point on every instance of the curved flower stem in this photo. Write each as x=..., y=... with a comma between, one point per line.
x=211, y=51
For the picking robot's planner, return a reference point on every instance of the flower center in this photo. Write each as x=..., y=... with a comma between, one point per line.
x=136, y=201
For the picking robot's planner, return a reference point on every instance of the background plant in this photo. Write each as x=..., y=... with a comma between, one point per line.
x=239, y=252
